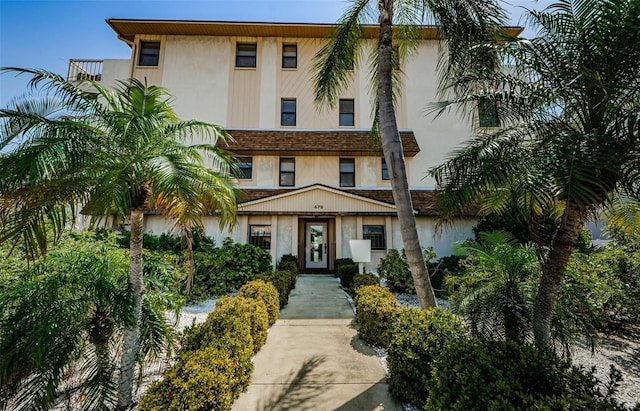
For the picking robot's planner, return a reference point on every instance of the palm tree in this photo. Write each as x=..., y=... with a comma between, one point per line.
x=115, y=154
x=65, y=314
x=459, y=21
x=569, y=103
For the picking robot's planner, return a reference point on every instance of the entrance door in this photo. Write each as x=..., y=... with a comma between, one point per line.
x=316, y=247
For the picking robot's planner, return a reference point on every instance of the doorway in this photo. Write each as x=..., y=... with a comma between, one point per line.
x=316, y=239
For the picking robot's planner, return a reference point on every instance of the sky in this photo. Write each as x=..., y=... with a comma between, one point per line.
x=46, y=34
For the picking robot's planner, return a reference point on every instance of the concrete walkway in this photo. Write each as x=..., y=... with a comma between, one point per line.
x=313, y=359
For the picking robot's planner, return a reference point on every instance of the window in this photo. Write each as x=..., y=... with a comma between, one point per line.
x=245, y=164
x=287, y=172
x=385, y=170
x=260, y=236
x=346, y=112
x=246, y=54
x=347, y=172
x=149, y=53
x=375, y=233
x=288, y=112
x=289, y=56
x=488, y=114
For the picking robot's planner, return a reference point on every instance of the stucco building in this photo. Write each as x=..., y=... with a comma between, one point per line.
x=311, y=180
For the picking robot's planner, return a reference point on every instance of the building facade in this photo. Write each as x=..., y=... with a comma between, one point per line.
x=311, y=180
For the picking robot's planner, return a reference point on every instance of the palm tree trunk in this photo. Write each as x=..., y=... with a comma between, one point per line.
x=392, y=148
x=132, y=332
x=553, y=272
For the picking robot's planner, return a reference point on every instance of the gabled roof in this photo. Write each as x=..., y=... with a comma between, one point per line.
x=423, y=200
x=341, y=142
x=128, y=28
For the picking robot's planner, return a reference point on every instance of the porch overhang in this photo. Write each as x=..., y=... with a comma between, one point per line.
x=316, y=200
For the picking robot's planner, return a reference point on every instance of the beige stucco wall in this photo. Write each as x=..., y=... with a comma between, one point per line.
x=115, y=69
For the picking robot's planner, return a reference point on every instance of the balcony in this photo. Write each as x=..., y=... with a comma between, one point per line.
x=85, y=70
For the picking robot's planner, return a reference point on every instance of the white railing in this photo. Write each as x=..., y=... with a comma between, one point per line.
x=84, y=70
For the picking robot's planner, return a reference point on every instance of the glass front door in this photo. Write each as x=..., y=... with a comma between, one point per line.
x=316, y=247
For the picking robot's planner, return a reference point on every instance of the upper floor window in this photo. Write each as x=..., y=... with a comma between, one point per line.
x=289, y=56
x=287, y=172
x=488, y=114
x=347, y=172
x=385, y=170
x=288, y=112
x=375, y=233
x=149, y=53
x=346, y=112
x=260, y=236
x=246, y=54
x=245, y=166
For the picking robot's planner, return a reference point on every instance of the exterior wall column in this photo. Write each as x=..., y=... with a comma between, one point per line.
x=338, y=236
x=274, y=239
x=244, y=229
x=294, y=235
x=359, y=230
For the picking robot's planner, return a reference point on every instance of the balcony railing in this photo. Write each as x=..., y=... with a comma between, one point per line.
x=84, y=70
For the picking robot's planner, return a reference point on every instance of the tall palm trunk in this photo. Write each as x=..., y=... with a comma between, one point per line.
x=392, y=148
x=553, y=270
x=132, y=332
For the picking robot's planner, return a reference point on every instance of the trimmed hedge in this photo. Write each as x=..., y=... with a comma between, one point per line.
x=504, y=375
x=265, y=291
x=375, y=309
x=418, y=337
x=207, y=379
x=395, y=269
x=284, y=281
x=360, y=280
x=254, y=309
x=346, y=272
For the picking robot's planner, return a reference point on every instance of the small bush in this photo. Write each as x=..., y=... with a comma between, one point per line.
x=346, y=272
x=288, y=266
x=375, y=310
x=284, y=282
x=395, y=269
x=504, y=375
x=360, y=280
x=208, y=379
x=266, y=292
x=223, y=331
x=438, y=270
x=340, y=262
x=418, y=337
x=254, y=310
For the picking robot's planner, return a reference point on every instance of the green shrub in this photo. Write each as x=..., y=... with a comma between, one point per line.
x=266, y=292
x=346, y=272
x=360, y=280
x=504, y=375
x=283, y=281
x=254, y=310
x=418, y=337
x=340, y=262
x=288, y=266
x=375, y=309
x=395, y=269
x=223, y=331
x=224, y=269
x=208, y=379
x=441, y=268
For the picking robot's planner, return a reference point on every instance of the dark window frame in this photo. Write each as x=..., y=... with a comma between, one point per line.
x=385, y=170
x=378, y=239
x=488, y=114
x=245, y=167
x=289, y=60
x=149, y=54
x=348, y=177
x=285, y=173
x=246, y=58
x=286, y=116
x=260, y=239
x=346, y=118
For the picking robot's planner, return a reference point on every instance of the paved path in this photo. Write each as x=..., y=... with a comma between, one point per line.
x=313, y=359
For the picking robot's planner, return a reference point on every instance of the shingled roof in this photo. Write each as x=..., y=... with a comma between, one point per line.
x=312, y=142
x=423, y=200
